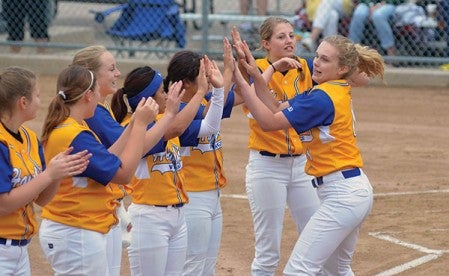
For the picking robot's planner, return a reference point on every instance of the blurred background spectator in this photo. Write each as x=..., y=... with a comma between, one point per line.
x=325, y=15
x=245, y=6
x=38, y=14
x=380, y=14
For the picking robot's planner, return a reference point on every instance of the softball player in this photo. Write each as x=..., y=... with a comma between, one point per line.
x=203, y=166
x=25, y=179
x=275, y=174
x=75, y=224
x=325, y=119
x=100, y=61
x=158, y=236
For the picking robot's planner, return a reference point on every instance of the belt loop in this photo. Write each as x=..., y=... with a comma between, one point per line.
x=8, y=242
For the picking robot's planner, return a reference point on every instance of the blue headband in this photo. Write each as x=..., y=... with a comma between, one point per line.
x=148, y=91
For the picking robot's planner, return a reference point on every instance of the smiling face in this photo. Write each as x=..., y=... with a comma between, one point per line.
x=282, y=42
x=326, y=64
x=107, y=75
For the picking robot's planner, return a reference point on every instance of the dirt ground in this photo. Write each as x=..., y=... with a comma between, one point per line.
x=403, y=135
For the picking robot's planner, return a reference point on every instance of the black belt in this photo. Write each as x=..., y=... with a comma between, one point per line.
x=317, y=181
x=281, y=155
x=179, y=205
x=15, y=242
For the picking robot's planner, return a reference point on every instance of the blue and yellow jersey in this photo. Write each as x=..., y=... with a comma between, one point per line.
x=104, y=125
x=108, y=130
x=87, y=200
x=325, y=119
x=19, y=162
x=159, y=177
x=284, y=87
x=203, y=163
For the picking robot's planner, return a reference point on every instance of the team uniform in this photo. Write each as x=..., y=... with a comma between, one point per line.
x=275, y=174
x=76, y=222
x=159, y=234
x=204, y=178
x=108, y=130
x=324, y=118
x=20, y=161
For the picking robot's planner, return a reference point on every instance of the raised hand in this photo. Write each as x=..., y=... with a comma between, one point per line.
x=228, y=58
x=287, y=63
x=65, y=164
x=237, y=42
x=213, y=72
x=203, y=84
x=240, y=81
x=246, y=59
x=174, y=96
x=146, y=111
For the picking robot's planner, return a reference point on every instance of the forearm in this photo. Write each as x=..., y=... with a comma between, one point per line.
x=264, y=93
x=48, y=193
x=156, y=132
x=24, y=194
x=132, y=155
x=119, y=145
x=184, y=117
x=227, y=80
x=211, y=123
x=263, y=115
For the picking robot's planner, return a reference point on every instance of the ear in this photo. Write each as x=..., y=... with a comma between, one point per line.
x=88, y=96
x=23, y=102
x=343, y=70
x=266, y=44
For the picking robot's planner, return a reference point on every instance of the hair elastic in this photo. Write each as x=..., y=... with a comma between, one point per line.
x=62, y=94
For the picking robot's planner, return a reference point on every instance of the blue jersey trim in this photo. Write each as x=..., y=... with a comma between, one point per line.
x=105, y=126
x=309, y=110
x=103, y=165
x=6, y=169
x=190, y=135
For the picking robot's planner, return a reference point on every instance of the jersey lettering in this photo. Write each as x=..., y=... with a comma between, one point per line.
x=208, y=144
x=168, y=161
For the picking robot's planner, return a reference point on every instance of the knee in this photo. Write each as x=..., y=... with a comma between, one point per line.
x=378, y=17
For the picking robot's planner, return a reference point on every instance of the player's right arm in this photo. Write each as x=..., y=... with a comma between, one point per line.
x=61, y=166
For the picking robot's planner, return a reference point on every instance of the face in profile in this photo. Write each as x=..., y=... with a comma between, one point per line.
x=160, y=97
x=325, y=64
x=107, y=75
x=32, y=105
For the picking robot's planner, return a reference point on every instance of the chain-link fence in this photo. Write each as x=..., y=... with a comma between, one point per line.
x=158, y=28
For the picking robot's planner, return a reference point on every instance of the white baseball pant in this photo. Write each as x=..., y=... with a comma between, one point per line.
x=204, y=220
x=327, y=243
x=271, y=184
x=158, y=240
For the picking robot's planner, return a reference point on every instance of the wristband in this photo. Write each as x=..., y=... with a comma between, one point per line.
x=274, y=68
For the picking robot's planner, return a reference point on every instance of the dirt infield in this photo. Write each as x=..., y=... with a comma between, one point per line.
x=403, y=134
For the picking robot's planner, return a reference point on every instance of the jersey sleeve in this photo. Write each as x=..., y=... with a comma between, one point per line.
x=190, y=135
x=159, y=147
x=102, y=165
x=6, y=169
x=228, y=106
x=42, y=156
x=309, y=110
x=105, y=127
